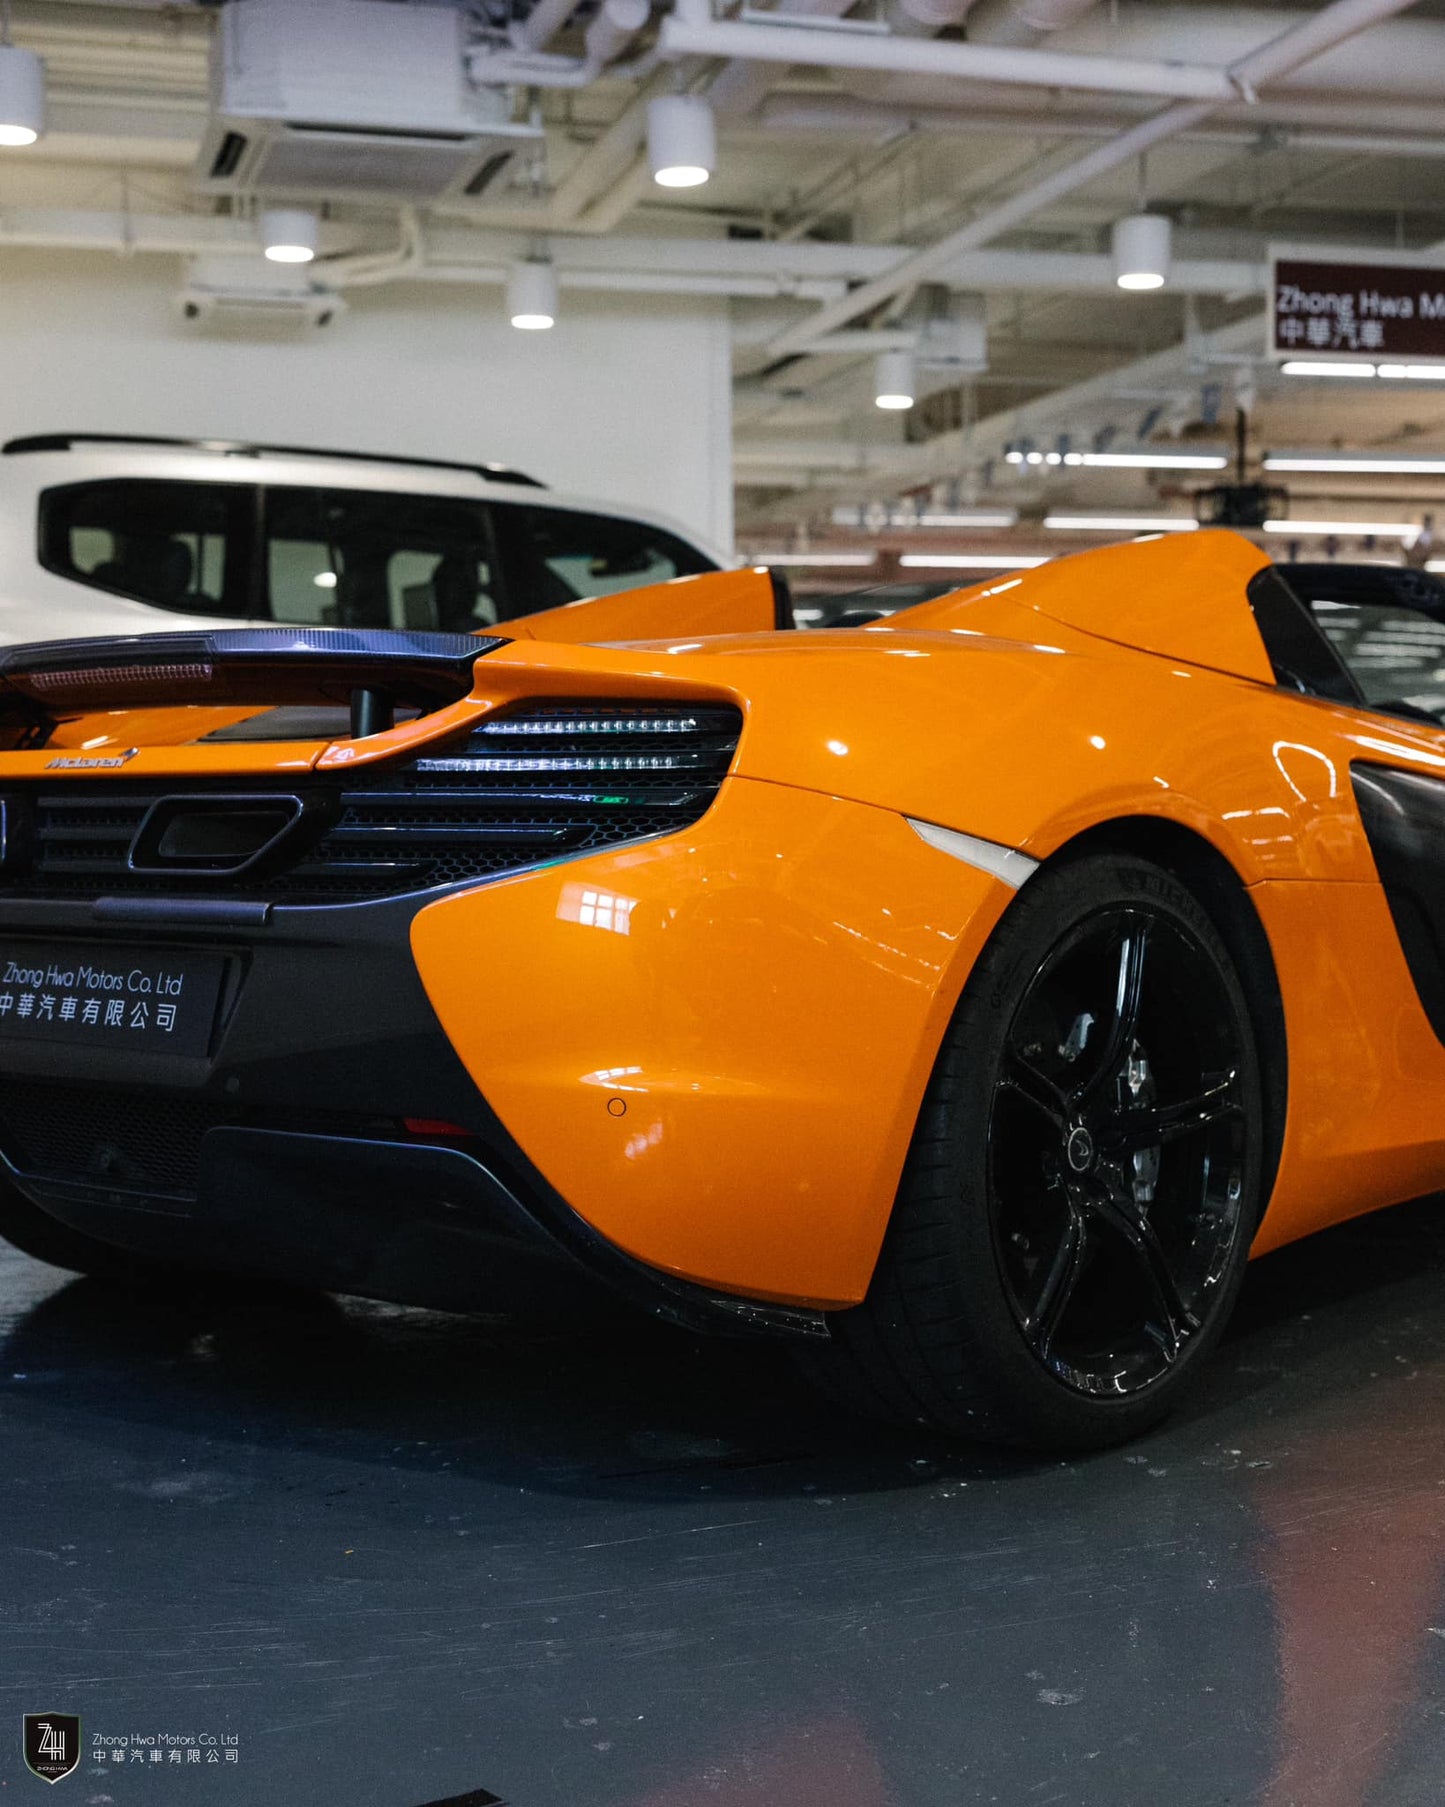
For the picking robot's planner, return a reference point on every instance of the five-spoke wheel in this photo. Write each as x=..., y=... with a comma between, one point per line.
x=1117, y=1149
x=1084, y=1180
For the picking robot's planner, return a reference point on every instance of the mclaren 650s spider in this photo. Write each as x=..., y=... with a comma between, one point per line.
x=961, y=997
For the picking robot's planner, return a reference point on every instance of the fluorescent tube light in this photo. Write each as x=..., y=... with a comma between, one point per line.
x=1380, y=530
x=1120, y=523
x=856, y=559
x=1148, y=461
x=1354, y=464
x=1317, y=367
x=967, y=561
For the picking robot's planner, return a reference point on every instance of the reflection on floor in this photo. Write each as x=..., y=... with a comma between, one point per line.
x=403, y=1557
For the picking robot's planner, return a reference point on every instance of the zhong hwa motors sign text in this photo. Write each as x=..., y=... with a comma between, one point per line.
x=1375, y=310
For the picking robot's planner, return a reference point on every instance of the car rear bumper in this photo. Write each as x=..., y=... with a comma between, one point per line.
x=688, y=1066
x=332, y=1137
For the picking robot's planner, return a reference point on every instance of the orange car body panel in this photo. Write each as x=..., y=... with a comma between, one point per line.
x=718, y=602
x=656, y=1051
x=714, y=1044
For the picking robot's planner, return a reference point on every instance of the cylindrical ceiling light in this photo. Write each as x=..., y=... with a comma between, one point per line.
x=22, y=96
x=532, y=295
x=289, y=235
x=681, y=140
x=893, y=382
x=1143, y=247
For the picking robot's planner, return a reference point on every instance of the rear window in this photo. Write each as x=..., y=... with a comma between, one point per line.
x=169, y=544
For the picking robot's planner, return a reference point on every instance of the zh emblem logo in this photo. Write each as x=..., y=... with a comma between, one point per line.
x=52, y=1744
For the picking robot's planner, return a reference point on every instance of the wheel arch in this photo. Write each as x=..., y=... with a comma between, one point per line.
x=1222, y=894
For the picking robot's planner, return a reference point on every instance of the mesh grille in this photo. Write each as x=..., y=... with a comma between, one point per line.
x=146, y=1142
x=135, y=1141
x=531, y=785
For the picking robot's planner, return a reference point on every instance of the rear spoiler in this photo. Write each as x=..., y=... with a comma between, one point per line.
x=374, y=670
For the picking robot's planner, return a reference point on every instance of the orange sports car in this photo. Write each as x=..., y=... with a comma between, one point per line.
x=962, y=997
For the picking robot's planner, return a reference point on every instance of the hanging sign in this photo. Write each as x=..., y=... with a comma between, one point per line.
x=1378, y=310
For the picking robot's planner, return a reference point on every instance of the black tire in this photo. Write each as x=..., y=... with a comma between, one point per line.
x=34, y=1232
x=1084, y=1181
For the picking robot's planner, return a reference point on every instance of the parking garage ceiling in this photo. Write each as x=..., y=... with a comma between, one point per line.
x=934, y=178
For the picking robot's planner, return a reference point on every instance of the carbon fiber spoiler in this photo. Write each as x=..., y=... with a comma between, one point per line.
x=374, y=670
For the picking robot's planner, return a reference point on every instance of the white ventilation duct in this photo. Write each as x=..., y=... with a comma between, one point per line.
x=925, y=18
x=350, y=99
x=1020, y=23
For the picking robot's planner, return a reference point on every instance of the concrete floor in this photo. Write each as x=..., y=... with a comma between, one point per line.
x=404, y=1558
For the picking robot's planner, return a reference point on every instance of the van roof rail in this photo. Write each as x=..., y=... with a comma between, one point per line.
x=241, y=448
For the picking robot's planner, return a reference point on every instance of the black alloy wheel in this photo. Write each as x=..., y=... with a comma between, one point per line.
x=1084, y=1181
x=1118, y=1150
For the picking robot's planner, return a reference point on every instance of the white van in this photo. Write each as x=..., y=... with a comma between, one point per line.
x=112, y=534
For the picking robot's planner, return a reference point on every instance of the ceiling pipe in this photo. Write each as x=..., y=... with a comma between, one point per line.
x=843, y=117
x=612, y=28
x=542, y=24
x=926, y=18
x=1317, y=33
x=742, y=267
x=1018, y=24
x=738, y=88
x=584, y=201
x=609, y=158
x=1403, y=58
x=686, y=35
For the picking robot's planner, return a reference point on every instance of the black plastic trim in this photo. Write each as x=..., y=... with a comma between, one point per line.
x=1299, y=652
x=783, y=617
x=1404, y=819
x=330, y=646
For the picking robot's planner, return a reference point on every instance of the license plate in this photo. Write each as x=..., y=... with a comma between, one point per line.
x=124, y=999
